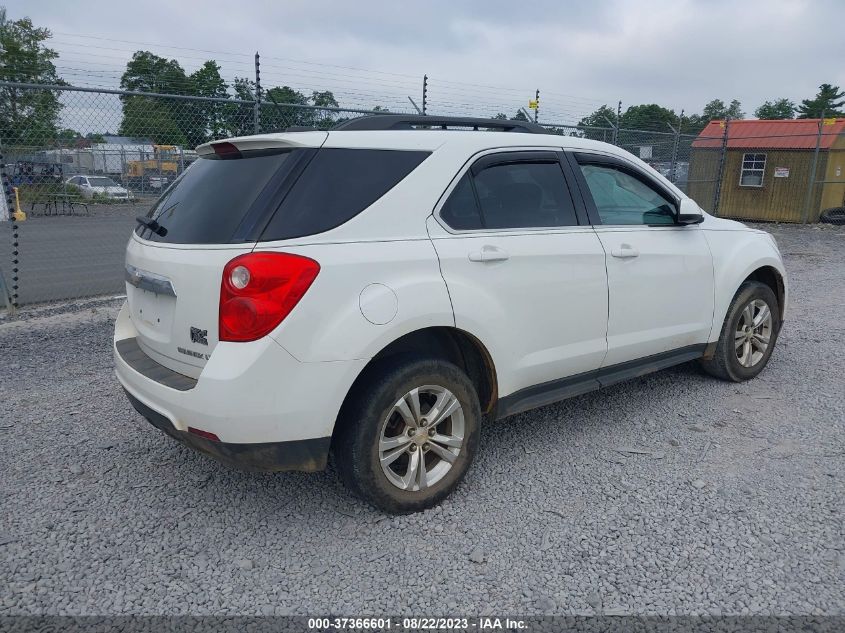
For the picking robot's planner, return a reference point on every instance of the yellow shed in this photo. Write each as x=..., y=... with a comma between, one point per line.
x=762, y=170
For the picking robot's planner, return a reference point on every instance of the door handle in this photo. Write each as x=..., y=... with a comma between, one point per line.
x=624, y=251
x=489, y=254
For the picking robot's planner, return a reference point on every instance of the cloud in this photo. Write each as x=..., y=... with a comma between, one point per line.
x=481, y=57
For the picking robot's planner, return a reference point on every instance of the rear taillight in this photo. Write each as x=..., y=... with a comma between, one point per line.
x=259, y=290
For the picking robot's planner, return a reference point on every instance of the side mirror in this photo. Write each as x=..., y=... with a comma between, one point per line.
x=689, y=213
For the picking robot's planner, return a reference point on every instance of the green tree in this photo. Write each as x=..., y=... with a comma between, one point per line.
x=202, y=121
x=716, y=110
x=163, y=120
x=777, y=109
x=602, y=117
x=324, y=119
x=239, y=116
x=501, y=116
x=519, y=116
x=693, y=123
x=648, y=117
x=151, y=118
x=68, y=137
x=280, y=116
x=206, y=119
x=147, y=72
x=27, y=117
x=827, y=102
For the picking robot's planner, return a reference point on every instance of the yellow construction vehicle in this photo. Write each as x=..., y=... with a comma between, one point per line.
x=165, y=162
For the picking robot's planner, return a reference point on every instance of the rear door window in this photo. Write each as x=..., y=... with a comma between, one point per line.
x=516, y=193
x=336, y=186
x=524, y=195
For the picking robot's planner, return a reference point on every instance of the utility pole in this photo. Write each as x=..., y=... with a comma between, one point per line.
x=256, y=109
x=424, y=94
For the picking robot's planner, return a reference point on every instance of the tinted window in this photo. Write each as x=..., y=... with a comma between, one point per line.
x=524, y=195
x=623, y=199
x=461, y=209
x=336, y=186
x=207, y=203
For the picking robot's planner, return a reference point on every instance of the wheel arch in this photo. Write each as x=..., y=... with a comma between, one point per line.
x=771, y=276
x=439, y=342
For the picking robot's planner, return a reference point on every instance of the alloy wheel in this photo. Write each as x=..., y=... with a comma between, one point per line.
x=753, y=333
x=421, y=437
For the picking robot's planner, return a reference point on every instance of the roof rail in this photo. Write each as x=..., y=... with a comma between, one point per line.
x=416, y=121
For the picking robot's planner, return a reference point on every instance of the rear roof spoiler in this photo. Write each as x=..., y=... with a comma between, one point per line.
x=268, y=141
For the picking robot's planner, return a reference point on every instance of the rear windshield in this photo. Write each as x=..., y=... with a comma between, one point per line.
x=212, y=197
x=278, y=195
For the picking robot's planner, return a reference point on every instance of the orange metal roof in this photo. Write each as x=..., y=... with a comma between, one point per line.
x=764, y=134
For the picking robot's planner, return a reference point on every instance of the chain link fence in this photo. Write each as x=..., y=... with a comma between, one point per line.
x=82, y=186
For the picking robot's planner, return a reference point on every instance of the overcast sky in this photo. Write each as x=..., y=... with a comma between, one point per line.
x=482, y=57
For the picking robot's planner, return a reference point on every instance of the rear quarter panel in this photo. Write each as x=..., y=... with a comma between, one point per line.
x=328, y=324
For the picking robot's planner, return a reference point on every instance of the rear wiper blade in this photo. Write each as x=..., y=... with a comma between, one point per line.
x=151, y=224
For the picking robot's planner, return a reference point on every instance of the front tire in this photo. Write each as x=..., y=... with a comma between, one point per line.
x=748, y=335
x=408, y=434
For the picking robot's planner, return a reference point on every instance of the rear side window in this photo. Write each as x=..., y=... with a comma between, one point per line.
x=336, y=186
x=208, y=202
x=461, y=209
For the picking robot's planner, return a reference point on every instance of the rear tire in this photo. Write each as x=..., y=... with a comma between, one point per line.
x=392, y=448
x=748, y=335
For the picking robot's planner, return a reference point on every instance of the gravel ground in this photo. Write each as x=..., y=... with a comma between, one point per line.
x=671, y=494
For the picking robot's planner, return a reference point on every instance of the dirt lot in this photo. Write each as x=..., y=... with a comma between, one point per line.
x=671, y=494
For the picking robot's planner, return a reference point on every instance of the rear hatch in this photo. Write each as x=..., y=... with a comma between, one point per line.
x=239, y=192
x=215, y=211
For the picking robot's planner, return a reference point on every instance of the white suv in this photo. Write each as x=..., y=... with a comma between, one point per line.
x=376, y=289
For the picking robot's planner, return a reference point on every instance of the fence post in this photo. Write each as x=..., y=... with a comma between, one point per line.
x=124, y=177
x=675, y=144
x=618, y=119
x=604, y=131
x=256, y=109
x=811, y=185
x=10, y=297
x=717, y=192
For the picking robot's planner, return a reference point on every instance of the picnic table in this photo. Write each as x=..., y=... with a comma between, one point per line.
x=61, y=204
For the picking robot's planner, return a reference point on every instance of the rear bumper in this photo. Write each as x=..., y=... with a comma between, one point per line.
x=269, y=410
x=305, y=455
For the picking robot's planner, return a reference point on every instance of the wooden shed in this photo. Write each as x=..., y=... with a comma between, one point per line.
x=767, y=168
